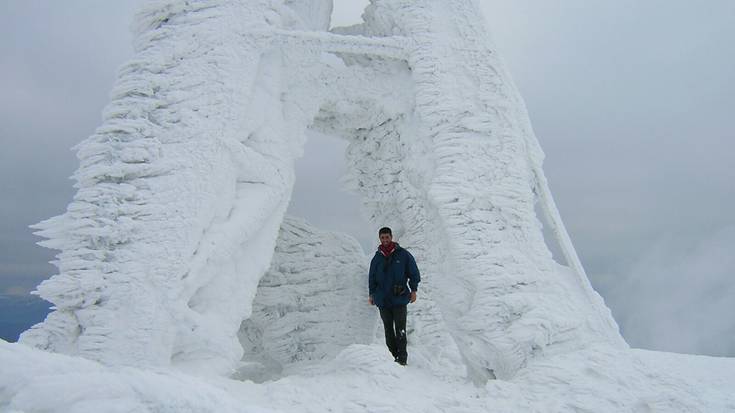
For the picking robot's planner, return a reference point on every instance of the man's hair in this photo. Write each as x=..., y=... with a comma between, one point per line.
x=385, y=230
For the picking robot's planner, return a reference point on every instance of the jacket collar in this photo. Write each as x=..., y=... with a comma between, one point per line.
x=398, y=248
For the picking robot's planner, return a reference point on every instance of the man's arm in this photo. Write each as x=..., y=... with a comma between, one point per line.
x=414, y=277
x=372, y=282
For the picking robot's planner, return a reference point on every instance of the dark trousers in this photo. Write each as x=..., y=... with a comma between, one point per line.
x=394, y=323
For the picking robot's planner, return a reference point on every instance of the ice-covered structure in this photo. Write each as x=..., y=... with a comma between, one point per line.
x=178, y=265
x=183, y=189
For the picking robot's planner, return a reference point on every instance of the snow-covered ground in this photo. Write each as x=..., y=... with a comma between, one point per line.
x=363, y=378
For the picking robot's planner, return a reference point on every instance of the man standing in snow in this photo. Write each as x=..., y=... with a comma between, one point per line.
x=392, y=271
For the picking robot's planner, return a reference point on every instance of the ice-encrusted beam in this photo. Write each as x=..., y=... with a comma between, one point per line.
x=393, y=47
x=554, y=220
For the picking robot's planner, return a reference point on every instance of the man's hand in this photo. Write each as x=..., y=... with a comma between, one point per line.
x=413, y=297
x=370, y=300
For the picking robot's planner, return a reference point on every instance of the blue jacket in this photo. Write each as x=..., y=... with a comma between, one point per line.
x=399, y=269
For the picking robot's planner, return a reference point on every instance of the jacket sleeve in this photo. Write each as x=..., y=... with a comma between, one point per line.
x=414, y=278
x=372, y=281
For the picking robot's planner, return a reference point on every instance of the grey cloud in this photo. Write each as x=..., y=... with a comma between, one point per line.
x=58, y=64
x=632, y=103
x=346, y=13
x=319, y=195
x=679, y=295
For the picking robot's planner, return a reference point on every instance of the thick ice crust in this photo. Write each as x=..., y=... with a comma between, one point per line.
x=183, y=189
x=310, y=305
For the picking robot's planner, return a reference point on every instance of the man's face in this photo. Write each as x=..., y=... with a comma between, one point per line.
x=385, y=239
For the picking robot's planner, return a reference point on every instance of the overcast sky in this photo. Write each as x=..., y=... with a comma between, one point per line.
x=631, y=100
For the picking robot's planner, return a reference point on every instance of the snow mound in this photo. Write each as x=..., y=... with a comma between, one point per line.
x=39, y=381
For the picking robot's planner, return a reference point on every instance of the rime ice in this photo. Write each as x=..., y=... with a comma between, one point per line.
x=177, y=262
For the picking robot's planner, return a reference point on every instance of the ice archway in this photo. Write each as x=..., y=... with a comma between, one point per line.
x=182, y=190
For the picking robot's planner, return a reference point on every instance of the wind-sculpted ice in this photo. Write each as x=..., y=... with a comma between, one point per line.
x=310, y=305
x=182, y=190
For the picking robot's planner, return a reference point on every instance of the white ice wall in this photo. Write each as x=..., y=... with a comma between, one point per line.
x=310, y=305
x=181, y=190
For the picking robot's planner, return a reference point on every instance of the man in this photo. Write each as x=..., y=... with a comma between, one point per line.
x=392, y=271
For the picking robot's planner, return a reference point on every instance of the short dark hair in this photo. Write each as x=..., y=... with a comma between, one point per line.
x=385, y=230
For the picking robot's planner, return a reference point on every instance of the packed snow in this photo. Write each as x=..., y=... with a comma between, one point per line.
x=182, y=285
x=365, y=378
